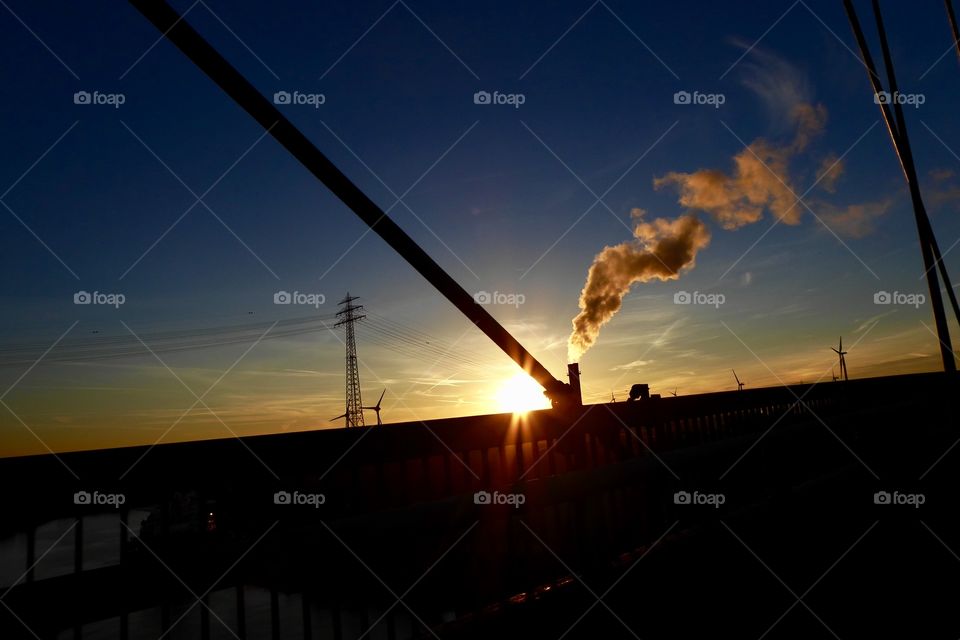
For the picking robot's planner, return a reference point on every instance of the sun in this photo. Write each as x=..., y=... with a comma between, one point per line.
x=519, y=395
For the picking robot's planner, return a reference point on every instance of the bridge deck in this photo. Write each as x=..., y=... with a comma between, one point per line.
x=596, y=485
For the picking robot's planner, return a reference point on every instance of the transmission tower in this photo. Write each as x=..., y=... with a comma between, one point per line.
x=348, y=315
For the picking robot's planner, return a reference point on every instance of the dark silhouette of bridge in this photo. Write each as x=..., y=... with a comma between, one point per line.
x=398, y=505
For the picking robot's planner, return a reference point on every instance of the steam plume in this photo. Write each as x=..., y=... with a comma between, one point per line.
x=760, y=181
x=660, y=250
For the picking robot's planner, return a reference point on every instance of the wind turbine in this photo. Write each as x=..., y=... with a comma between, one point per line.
x=674, y=392
x=739, y=384
x=376, y=407
x=843, y=361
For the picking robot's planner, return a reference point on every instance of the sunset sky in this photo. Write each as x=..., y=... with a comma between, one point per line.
x=513, y=199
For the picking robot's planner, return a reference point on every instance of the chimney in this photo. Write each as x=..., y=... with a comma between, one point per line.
x=573, y=372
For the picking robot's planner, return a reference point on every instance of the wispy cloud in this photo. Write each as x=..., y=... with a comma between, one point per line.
x=636, y=364
x=855, y=220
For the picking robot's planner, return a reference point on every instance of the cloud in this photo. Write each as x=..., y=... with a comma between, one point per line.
x=760, y=179
x=831, y=168
x=944, y=191
x=636, y=364
x=941, y=174
x=870, y=322
x=779, y=84
x=855, y=220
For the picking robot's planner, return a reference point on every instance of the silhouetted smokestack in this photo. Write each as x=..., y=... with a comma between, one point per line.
x=573, y=372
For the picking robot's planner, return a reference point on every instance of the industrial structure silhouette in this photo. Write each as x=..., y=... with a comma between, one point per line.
x=349, y=315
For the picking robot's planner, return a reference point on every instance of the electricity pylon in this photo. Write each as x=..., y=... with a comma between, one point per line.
x=350, y=314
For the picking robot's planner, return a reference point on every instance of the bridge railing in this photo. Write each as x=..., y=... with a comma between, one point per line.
x=369, y=476
x=366, y=470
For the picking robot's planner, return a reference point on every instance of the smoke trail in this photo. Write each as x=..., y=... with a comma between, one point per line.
x=660, y=250
x=760, y=181
x=663, y=248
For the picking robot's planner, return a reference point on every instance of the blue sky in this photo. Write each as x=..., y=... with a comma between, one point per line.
x=499, y=198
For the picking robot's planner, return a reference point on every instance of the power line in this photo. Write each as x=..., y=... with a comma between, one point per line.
x=436, y=349
x=120, y=346
x=384, y=332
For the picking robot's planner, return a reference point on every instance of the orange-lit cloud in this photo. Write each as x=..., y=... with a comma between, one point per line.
x=855, y=220
x=760, y=179
x=830, y=171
